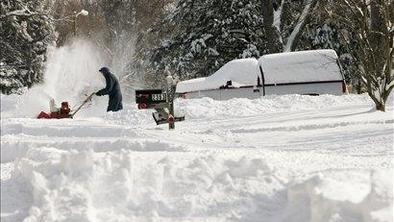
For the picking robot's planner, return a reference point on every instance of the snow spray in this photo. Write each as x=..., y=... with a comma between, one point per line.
x=71, y=73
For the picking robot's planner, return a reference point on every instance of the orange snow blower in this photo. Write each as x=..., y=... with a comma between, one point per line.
x=63, y=112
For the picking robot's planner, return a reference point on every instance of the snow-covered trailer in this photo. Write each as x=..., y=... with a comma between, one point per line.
x=312, y=72
x=306, y=72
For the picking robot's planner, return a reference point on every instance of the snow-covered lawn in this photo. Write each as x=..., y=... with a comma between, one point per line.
x=278, y=158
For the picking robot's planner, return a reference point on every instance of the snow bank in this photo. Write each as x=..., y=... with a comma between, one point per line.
x=302, y=66
x=332, y=197
x=211, y=109
x=202, y=108
x=242, y=72
x=128, y=186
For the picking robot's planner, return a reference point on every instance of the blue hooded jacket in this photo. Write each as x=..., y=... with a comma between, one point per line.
x=112, y=89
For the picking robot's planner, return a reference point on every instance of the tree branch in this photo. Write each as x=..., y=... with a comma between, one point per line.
x=22, y=13
x=292, y=41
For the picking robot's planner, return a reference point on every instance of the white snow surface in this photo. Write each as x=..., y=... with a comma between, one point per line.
x=277, y=158
x=302, y=66
x=242, y=72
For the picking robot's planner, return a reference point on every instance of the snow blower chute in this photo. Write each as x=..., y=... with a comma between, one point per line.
x=63, y=112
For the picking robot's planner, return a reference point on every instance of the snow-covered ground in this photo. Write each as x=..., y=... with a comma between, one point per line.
x=278, y=158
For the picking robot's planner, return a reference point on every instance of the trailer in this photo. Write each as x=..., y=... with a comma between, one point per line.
x=312, y=72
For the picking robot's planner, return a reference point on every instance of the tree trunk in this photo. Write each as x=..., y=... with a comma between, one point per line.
x=381, y=107
x=381, y=49
x=268, y=19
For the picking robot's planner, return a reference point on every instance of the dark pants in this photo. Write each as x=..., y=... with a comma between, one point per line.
x=115, y=103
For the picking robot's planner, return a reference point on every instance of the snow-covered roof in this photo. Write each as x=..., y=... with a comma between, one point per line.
x=302, y=66
x=242, y=72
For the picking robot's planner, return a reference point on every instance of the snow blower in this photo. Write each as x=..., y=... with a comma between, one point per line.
x=63, y=112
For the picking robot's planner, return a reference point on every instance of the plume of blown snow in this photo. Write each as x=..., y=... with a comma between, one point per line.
x=71, y=75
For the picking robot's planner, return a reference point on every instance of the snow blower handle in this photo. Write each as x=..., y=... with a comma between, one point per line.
x=83, y=103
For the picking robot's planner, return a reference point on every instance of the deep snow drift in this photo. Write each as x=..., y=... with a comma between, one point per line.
x=278, y=158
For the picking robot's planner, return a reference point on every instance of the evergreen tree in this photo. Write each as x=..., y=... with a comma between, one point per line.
x=26, y=32
x=205, y=34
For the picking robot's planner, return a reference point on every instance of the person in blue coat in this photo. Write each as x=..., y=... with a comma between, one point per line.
x=112, y=89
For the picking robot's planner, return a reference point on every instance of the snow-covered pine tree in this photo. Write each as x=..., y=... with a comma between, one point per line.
x=26, y=32
x=205, y=34
x=243, y=29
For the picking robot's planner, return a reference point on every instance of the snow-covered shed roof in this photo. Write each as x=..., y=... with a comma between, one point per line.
x=242, y=72
x=302, y=66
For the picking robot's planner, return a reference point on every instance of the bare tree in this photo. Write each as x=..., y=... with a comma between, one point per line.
x=371, y=25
